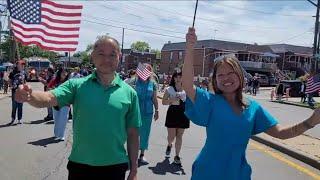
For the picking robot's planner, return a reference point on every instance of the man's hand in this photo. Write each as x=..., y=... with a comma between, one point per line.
x=23, y=93
x=133, y=175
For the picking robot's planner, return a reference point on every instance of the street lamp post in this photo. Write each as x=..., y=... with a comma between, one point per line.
x=203, y=59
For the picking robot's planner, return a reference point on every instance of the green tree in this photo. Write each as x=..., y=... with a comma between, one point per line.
x=140, y=46
x=5, y=49
x=84, y=55
x=24, y=51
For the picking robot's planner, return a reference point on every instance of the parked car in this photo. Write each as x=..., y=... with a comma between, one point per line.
x=272, y=81
x=263, y=80
x=294, y=85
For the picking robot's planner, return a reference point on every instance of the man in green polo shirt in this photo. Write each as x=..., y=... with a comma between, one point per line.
x=106, y=115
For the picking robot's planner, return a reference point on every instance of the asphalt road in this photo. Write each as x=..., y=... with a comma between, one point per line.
x=28, y=151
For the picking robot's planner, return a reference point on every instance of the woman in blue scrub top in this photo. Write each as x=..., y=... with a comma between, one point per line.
x=230, y=119
x=148, y=103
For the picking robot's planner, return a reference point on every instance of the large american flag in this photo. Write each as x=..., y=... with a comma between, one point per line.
x=143, y=72
x=313, y=84
x=47, y=24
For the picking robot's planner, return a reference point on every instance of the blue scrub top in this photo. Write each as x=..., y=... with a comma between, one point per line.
x=145, y=92
x=223, y=156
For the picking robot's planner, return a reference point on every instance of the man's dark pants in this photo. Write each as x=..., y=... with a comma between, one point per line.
x=83, y=171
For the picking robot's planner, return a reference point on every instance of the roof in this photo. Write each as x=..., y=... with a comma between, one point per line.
x=235, y=46
x=282, y=48
x=130, y=51
x=72, y=59
x=220, y=45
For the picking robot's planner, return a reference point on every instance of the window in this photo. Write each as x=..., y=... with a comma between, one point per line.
x=180, y=54
x=149, y=60
x=171, y=56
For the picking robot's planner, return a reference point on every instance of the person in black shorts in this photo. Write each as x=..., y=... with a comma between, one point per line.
x=176, y=121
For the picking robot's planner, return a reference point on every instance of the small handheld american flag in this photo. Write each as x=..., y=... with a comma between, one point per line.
x=143, y=72
x=313, y=84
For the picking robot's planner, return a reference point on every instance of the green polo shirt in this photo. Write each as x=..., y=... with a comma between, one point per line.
x=101, y=117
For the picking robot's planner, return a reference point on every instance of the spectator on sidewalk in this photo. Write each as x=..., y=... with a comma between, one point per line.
x=106, y=115
x=5, y=82
x=230, y=119
x=176, y=121
x=17, y=77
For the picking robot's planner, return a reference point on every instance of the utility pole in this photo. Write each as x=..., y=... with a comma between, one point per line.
x=121, y=62
x=215, y=33
x=316, y=35
x=203, y=59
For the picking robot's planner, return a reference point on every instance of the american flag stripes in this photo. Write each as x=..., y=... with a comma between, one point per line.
x=47, y=24
x=143, y=72
x=313, y=84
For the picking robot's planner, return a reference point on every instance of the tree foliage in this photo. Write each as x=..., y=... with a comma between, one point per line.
x=24, y=51
x=84, y=55
x=140, y=46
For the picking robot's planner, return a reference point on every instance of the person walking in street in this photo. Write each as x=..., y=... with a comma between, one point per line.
x=229, y=118
x=17, y=77
x=176, y=121
x=280, y=91
x=48, y=77
x=132, y=78
x=106, y=117
x=60, y=114
x=255, y=85
x=1, y=80
x=5, y=82
x=146, y=89
x=303, y=91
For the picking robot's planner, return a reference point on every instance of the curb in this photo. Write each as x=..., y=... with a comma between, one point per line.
x=307, y=159
x=293, y=104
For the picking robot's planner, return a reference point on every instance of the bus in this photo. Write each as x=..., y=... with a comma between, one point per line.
x=36, y=66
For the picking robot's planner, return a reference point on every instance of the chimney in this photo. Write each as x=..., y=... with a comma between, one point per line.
x=169, y=42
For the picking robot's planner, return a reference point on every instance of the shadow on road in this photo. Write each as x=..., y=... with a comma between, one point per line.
x=164, y=167
x=44, y=142
x=7, y=125
x=38, y=121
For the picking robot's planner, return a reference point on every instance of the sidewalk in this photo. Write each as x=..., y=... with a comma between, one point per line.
x=304, y=148
x=296, y=102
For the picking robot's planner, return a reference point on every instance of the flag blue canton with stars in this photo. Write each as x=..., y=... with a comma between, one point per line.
x=27, y=11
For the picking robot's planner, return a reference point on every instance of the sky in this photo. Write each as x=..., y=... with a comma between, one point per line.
x=157, y=22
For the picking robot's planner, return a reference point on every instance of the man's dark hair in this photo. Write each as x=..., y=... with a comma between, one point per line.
x=105, y=38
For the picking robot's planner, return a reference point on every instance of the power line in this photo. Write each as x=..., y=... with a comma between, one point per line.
x=138, y=25
x=206, y=19
x=293, y=37
x=166, y=35
x=258, y=11
x=131, y=29
x=104, y=6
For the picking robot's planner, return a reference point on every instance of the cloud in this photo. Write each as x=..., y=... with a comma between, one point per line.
x=240, y=21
